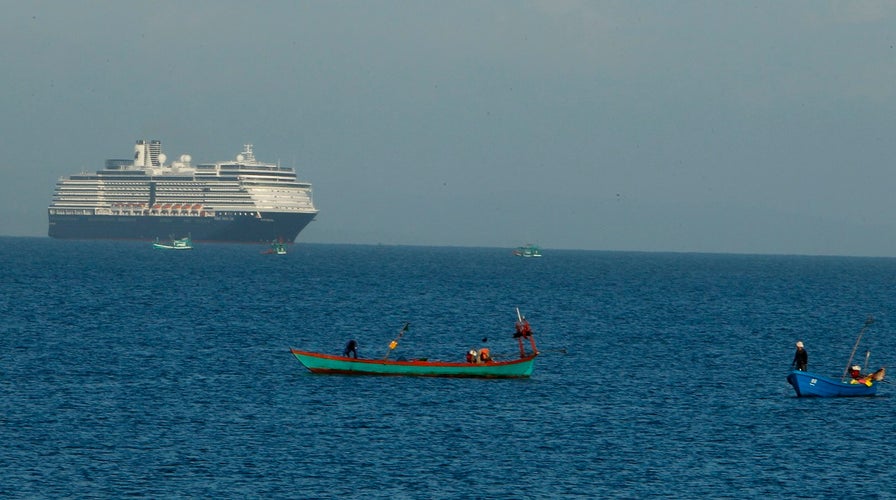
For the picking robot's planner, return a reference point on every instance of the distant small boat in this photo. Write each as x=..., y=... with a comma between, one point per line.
x=277, y=248
x=808, y=384
x=528, y=250
x=174, y=244
x=479, y=364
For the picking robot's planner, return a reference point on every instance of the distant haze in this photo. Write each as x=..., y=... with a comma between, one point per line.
x=746, y=127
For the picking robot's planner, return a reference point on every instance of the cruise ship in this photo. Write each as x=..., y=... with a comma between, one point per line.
x=144, y=198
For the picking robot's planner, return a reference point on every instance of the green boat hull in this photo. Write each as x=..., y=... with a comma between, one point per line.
x=325, y=363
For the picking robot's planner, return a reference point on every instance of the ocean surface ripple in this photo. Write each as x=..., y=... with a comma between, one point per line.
x=127, y=371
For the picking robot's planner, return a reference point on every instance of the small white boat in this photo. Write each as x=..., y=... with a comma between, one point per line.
x=528, y=250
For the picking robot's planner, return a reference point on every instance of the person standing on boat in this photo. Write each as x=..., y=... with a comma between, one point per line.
x=800, y=358
x=351, y=349
x=522, y=328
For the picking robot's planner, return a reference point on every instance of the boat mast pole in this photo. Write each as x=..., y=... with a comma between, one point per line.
x=856, y=346
x=519, y=333
x=394, y=343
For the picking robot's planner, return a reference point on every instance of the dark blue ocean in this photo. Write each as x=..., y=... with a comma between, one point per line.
x=132, y=372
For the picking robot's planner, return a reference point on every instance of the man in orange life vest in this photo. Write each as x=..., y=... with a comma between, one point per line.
x=485, y=355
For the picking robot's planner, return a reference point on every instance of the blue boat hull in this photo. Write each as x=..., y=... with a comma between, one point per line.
x=808, y=384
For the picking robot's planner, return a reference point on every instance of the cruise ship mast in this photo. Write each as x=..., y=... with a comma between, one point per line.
x=247, y=156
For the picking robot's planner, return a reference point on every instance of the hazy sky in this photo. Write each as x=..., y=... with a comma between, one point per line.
x=748, y=127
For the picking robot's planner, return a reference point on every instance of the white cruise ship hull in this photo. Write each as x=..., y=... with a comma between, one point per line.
x=225, y=228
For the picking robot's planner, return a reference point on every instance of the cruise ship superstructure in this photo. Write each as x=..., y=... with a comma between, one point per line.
x=242, y=200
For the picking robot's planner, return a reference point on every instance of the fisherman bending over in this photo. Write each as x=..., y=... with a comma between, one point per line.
x=351, y=349
x=855, y=372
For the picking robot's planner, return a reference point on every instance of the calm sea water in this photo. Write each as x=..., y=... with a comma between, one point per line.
x=126, y=371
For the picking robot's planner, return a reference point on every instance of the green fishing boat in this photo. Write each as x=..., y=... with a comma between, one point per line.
x=277, y=248
x=325, y=363
x=174, y=244
x=478, y=364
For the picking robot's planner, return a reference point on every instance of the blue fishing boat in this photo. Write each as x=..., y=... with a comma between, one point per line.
x=852, y=384
x=808, y=384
